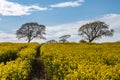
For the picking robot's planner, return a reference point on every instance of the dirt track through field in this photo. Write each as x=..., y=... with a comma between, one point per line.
x=38, y=71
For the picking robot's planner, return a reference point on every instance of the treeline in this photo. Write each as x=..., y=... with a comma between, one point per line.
x=89, y=32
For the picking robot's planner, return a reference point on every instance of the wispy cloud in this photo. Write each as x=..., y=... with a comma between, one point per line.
x=68, y=4
x=112, y=19
x=7, y=37
x=54, y=32
x=8, y=8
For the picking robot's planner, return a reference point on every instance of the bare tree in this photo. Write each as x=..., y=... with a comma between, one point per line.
x=64, y=38
x=30, y=31
x=95, y=30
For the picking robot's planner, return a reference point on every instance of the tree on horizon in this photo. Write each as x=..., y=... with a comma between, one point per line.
x=31, y=30
x=95, y=30
x=64, y=38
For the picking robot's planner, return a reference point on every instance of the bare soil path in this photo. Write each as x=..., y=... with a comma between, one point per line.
x=38, y=71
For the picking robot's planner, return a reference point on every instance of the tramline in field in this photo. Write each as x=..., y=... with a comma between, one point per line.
x=19, y=68
x=62, y=61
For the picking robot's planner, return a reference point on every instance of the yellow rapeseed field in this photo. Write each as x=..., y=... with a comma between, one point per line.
x=62, y=61
x=83, y=61
x=19, y=68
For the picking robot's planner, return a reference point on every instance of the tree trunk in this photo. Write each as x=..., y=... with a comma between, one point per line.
x=29, y=41
x=91, y=40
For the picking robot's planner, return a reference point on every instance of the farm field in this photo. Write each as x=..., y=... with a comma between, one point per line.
x=83, y=61
x=60, y=61
x=16, y=60
x=59, y=39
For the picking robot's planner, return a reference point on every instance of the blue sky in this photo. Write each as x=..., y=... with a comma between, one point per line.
x=59, y=16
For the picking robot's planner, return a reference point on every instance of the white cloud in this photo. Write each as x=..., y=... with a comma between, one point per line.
x=68, y=4
x=8, y=8
x=9, y=37
x=112, y=19
x=6, y=37
x=115, y=38
x=54, y=32
x=14, y=9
